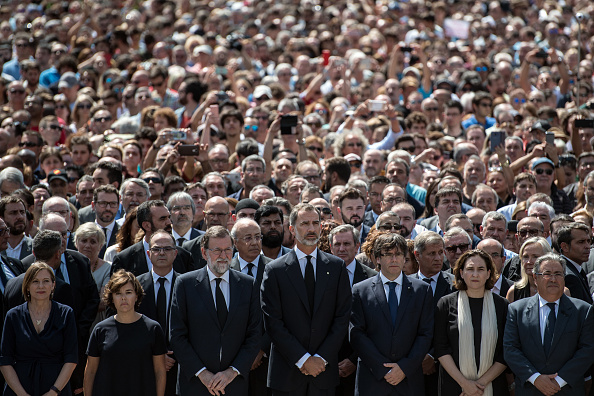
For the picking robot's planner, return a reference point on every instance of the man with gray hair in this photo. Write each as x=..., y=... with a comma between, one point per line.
x=485, y=198
x=11, y=179
x=495, y=226
x=456, y=242
x=545, y=213
x=253, y=173
x=182, y=209
x=133, y=192
x=261, y=193
x=60, y=207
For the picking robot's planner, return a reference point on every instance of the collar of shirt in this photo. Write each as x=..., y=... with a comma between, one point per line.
x=156, y=277
x=212, y=276
x=301, y=255
x=109, y=226
x=243, y=263
x=17, y=247
x=186, y=236
x=439, y=230
x=576, y=265
x=351, y=267
x=434, y=277
x=146, y=246
x=497, y=285
x=543, y=303
x=386, y=280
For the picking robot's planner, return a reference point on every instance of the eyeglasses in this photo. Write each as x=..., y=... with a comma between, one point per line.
x=58, y=126
x=17, y=91
x=355, y=164
x=218, y=251
x=516, y=100
x=84, y=106
x=102, y=119
x=28, y=144
x=314, y=148
x=536, y=100
x=106, y=204
x=392, y=255
x=463, y=247
x=179, y=208
x=357, y=144
x=389, y=227
x=393, y=201
x=481, y=69
x=155, y=180
x=252, y=127
x=410, y=149
x=431, y=109
x=550, y=275
x=540, y=171
x=4, y=231
x=324, y=211
x=213, y=214
x=528, y=232
x=250, y=238
x=161, y=250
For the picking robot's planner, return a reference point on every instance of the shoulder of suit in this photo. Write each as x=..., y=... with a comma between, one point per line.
x=192, y=242
x=78, y=256
x=416, y=282
x=364, y=284
x=448, y=276
x=241, y=276
x=579, y=304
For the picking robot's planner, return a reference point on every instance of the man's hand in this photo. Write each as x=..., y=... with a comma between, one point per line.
x=221, y=379
x=346, y=368
x=169, y=361
x=258, y=360
x=313, y=366
x=547, y=385
x=395, y=375
x=428, y=365
x=206, y=378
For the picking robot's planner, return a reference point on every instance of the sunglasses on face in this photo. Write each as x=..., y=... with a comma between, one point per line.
x=83, y=106
x=453, y=249
x=355, y=164
x=481, y=69
x=155, y=180
x=314, y=148
x=251, y=127
x=540, y=171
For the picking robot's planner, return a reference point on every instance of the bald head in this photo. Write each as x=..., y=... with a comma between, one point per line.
x=216, y=212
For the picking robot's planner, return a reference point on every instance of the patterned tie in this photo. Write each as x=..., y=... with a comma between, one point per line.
x=549, y=329
x=221, y=304
x=393, y=302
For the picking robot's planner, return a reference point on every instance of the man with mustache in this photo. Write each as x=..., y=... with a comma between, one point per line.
x=351, y=209
x=270, y=219
x=151, y=216
x=12, y=211
x=133, y=192
x=182, y=209
x=106, y=202
x=218, y=339
x=306, y=301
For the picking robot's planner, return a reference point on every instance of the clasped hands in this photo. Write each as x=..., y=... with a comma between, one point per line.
x=395, y=375
x=313, y=366
x=547, y=384
x=216, y=383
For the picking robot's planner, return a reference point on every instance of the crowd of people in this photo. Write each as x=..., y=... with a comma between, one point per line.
x=297, y=198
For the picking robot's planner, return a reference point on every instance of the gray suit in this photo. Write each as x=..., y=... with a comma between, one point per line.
x=86, y=215
x=572, y=348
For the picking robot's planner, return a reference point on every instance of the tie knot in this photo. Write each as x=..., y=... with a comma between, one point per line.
x=250, y=265
x=218, y=281
x=428, y=280
x=161, y=281
x=552, y=306
x=392, y=285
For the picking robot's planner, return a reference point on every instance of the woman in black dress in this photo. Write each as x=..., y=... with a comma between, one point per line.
x=477, y=316
x=126, y=353
x=531, y=249
x=39, y=342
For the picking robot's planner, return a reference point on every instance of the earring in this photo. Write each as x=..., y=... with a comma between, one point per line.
x=52, y=295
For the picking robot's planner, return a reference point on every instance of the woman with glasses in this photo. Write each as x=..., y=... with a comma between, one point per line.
x=81, y=113
x=62, y=108
x=469, y=325
x=126, y=352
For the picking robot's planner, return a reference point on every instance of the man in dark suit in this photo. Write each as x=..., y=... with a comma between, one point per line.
x=14, y=214
x=216, y=212
x=351, y=208
x=549, y=338
x=306, y=300
x=182, y=209
x=495, y=250
x=158, y=289
x=573, y=240
x=270, y=219
x=106, y=202
x=151, y=216
x=9, y=267
x=86, y=215
x=61, y=207
x=375, y=186
x=247, y=239
x=391, y=324
x=344, y=244
x=429, y=252
x=216, y=341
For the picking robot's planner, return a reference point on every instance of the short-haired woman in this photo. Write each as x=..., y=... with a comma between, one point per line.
x=126, y=353
x=469, y=326
x=39, y=341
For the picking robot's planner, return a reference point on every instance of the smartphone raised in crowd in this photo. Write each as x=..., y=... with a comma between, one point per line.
x=497, y=138
x=177, y=134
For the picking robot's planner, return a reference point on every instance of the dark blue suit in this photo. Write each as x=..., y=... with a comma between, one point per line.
x=377, y=342
x=572, y=348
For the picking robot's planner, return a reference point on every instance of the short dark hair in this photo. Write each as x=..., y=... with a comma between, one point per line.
x=214, y=232
x=46, y=244
x=266, y=211
x=564, y=233
x=340, y=166
x=143, y=213
x=389, y=241
x=459, y=265
x=118, y=280
x=447, y=191
x=8, y=200
x=114, y=171
x=350, y=193
x=377, y=180
x=108, y=188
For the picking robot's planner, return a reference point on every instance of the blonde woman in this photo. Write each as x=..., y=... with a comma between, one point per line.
x=469, y=326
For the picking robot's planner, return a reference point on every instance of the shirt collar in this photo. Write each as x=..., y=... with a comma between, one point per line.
x=301, y=255
x=169, y=276
x=212, y=276
x=243, y=263
x=18, y=245
x=386, y=280
x=434, y=277
x=497, y=284
x=109, y=226
x=186, y=236
x=576, y=265
x=542, y=302
x=351, y=267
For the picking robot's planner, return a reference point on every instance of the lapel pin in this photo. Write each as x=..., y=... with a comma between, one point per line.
x=327, y=273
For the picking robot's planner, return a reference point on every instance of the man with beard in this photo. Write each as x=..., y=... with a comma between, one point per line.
x=151, y=216
x=182, y=209
x=217, y=340
x=106, y=202
x=12, y=211
x=9, y=267
x=216, y=213
x=270, y=219
x=306, y=319
x=351, y=209
x=285, y=207
x=574, y=241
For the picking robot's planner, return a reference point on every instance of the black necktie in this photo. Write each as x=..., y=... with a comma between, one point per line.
x=393, y=302
x=221, y=304
x=549, y=329
x=58, y=272
x=310, y=283
x=105, y=233
x=250, y=269
x=428, y=280
x=180, y=241
x=584, y=276
x=3, y=277
x=162, y=304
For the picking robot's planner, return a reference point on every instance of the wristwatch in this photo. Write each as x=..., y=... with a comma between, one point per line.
x=53, y=387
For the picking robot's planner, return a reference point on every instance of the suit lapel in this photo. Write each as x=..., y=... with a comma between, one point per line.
x=113, y=236
x=380, y=294
x=322, y=276
x=359, y=275
x=235, y=292
x=405, y=296
x=563, y=314
x=440, y=288
x=296, y=278
x=205, y=292
x=260, y=272
x=235, y=264
x=533, y=321
x=73, y=274
x=149, y=291
x=141, y=258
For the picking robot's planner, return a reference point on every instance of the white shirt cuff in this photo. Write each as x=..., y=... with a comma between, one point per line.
x=201, y=370
x=533, y=378
x=325, y=362
x=560, y=381
x=234, y=369
x=301, y=361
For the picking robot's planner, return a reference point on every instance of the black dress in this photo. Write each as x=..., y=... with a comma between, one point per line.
x=523, y=292
x=126, y=353
x=39, y=358
x=446, y=339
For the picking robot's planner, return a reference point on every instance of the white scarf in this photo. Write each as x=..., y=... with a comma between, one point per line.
x=466, y=334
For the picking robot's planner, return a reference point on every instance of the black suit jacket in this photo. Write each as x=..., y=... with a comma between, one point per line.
x=513, y=269
x=445, y=285
x=112, y=240
x=577, y=285
x=198, y=340
x=15, y=266
x=572, y=347
x=294, y=330
x=368, y=219
x=419, y=206
x=133, y=259
x=430, y=222
x=505, y=286
x=377, y=342
x=193, y=247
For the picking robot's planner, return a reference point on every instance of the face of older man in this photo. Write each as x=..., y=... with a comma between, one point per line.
x=456, y=246
x=344, y=246
x=218, y=255
x=550, y=282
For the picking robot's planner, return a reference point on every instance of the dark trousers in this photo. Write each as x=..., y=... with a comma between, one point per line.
x=258, y=380
x=171, y=384
x=431, y=382
x=347, y=385
x=305, y=390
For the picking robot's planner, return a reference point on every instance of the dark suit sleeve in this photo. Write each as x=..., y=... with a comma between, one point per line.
x=188, y=359
x=91, y=296
x=575, y=286
x=361, y=343
x=573, y=370
x=284, y=341
x=116, y=264
x=512, y=346
x=342, y=312
x=253, y=333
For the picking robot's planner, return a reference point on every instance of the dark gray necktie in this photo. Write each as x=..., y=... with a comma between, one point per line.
x=162, y=304
x=310, y=283
x=549, y=328
x=393, y=302
x=250, y=270
x=221, y=304
x=180, y=241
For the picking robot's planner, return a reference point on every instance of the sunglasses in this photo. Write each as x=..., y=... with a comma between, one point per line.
x=251, y=127
x=314, y=148
x=324, y=211
x=358, y=144
x=481, y=69
x=155, y=180
x=28, y=144
x=453, y=249
x=516, y=100
x=410, y=149
x=525, y=233
x=17, y=91
x=540, y=171
x=355, y=164
x=102, y=119
x=83, y=106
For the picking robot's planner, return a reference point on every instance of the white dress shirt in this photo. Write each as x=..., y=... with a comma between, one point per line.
x=496, y=287
x=15, y=252
x=543, y=314
x=351, y=271
x=167, y=285
x=109, y=231
x=398, y=290
x=224, y=286
x=149, y=263
x=243, y=265
x=433, y=282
